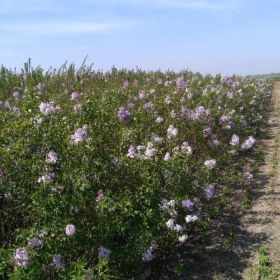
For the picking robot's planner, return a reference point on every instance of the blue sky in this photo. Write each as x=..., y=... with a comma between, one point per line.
x=217, y=36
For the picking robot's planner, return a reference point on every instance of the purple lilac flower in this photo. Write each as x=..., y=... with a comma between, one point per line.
x=210, y=163
x=183, y=238
x=224, y=118
x=100, y=196
x=148, y=255
x=159, y=119
x=180, y=83
x=170, y=223
x=178, y=228
x=40, y=86
x=16, y=95
x=35, y=243
x=70, y=230
x=224, y=79
x=230, y=95
x=191, y=218
x=248, y=143
x=131, y=152
x=123, y=115
x=185, y=147
x=159, y=81
x=49, y=108
x=150, y=151
x=207, y=132
x=57, y=261
x=187, y=204
x=104, y=252
x=51, y=157
x=209, y=191
x=186, y=113
x=141, y=94
x=234, y=140
x=172, y=132
x=75, y=96
x=47, y=177
x=79, y=136
x=20, y=257
x=125, y=84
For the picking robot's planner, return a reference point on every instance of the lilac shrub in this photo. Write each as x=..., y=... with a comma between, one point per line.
x=110, y=174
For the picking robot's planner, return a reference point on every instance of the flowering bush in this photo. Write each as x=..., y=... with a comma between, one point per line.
x=102, y=174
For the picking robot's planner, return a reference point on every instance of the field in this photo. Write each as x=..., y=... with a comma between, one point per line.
x=123, y=174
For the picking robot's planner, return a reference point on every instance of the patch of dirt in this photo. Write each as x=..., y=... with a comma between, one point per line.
x=264, y=216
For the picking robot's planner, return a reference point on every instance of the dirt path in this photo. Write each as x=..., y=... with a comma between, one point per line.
x=263, y=219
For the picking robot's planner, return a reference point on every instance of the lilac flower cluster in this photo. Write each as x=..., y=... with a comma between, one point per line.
x=79, y=136
x=21, y=257
x=248, y=143
x=49, y=108
x=70, y=230
x=123, y=115
x=104, y=252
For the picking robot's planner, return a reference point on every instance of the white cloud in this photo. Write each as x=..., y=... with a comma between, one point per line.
x=63, y=27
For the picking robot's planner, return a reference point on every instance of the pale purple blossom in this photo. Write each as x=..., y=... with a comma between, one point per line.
x=150, y=151
x=141, y=94
x=185, y=147
x=100, y=196
x=187, y=204
x=70, y=230
x=170, y=223
x=35, y=243
x=210, y=163
x=46, y=177
x=52, y=157
x=75, y=96
x=131, y=152
x=16, y=95
x=248, y=143
x=148, y=255
x=183, y=238
x=209, y=191
x=172, y=132
x=207, y=132
x=104, y=252
x=159, y=119
x=20, y=257
x=191, y=218
x=49, y=108
x=57, y=261
x=180, y=83
x=123, y=115
x=166, y=157
x=234, y=140
x=79, y=136
x=125, y=84
x=178, y=228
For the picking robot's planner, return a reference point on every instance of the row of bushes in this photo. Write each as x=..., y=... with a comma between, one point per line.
x=103, y=175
